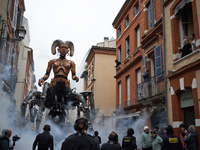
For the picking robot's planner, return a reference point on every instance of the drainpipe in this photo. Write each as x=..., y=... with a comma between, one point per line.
x=165, y=69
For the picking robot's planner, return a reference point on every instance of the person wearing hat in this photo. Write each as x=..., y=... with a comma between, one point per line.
x=183, y=133
x=129, y=141
x=80, y=140
x=146, y=139
x=171, y=142
x=44, y=140
x=113, y=143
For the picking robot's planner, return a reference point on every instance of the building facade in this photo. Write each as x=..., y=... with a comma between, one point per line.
x=99, y=78
x=181, y=21
x=11, y=19
x=139, y=46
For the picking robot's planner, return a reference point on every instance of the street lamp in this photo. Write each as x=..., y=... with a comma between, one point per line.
x=20, y=32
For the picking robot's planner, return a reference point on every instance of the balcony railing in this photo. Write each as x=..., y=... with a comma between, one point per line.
x=154, y=86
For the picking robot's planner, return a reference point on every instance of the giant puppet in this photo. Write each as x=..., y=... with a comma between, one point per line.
x=59, y=97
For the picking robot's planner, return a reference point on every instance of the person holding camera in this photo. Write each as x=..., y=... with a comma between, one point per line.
x=80, y=140
x=5, y=141
x=44, y=140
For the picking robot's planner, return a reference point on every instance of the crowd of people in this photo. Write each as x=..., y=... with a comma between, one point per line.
x=81, y=140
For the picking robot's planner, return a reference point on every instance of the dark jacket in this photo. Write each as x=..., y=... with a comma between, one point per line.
x=171, y=142
x=186, y=50
x=111, y=145
x=5, y=144
x=129, y=143
x=191, y=142
x=146, y=76
x=44, y=141
x=79, y=141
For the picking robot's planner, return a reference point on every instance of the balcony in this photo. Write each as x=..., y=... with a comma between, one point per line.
x=153, y=87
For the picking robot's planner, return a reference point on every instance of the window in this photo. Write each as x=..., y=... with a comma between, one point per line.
x=151, y=14
x=158, y=60
x=138, y=73
x=127, y=47
x=138, y=37
x=10, y=51
x=136, y=9
x=119, y=54
x=128, y=90
x=144, y=62
x=3, y=45
x=120, y=100
x=14, y=19
x=119, y=32
x=186, y=27
x=126, y=22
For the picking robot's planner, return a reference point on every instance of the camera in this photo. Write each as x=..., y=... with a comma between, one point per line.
x=15, y=138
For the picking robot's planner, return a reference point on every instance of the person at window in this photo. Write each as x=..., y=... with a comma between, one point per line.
x=186, y=48
x=193, y=42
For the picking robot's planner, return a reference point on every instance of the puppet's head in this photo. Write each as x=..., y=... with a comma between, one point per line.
x=57, y=43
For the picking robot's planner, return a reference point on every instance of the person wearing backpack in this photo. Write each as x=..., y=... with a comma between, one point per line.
x=97, y=138
x=129, y=141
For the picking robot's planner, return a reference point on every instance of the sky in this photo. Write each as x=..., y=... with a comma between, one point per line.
x=84, y=22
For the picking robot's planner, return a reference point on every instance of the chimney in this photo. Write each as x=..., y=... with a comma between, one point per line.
x=106, y=42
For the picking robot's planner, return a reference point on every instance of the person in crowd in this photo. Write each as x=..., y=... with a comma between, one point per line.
x=171, y=142
x=5, y=141
x=44, y=140
x=113, y=143
x=186, y=48
x=146, y=139
x=97, y=138
x=191, y=139
x=157, y=141
x=129, y=141
x=2, y=133
x=183, y=133
x=80, y=140
x=193, y=42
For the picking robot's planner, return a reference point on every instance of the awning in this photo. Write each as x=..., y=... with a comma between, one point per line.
x=128, y=115
x=181, y=5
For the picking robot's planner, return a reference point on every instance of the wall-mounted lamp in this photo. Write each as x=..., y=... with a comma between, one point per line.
x=20, y=32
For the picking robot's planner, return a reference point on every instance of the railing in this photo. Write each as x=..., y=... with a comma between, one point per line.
x=154, y=86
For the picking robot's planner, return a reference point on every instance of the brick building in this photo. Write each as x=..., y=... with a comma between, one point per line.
x=139, y=46
x=182, y=20
x=11, y=18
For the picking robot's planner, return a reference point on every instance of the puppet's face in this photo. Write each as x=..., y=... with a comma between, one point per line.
x=63, y=49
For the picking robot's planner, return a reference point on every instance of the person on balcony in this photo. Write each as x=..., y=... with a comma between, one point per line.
x=193, y=42
x=186, y=48
x=146, y=83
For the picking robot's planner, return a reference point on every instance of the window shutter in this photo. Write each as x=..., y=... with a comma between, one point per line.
x=10, y=53
x=14, y=19
x=4, y=41
x=144, y=63
x=119, y=54
x=19, y=19
x=151, y=14
x=158, y=60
